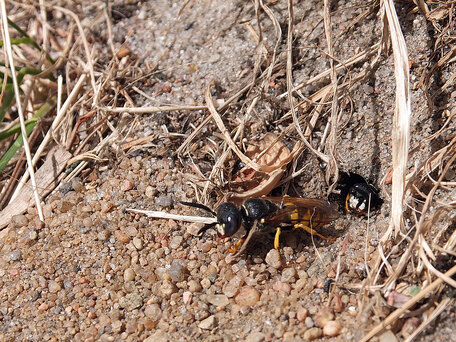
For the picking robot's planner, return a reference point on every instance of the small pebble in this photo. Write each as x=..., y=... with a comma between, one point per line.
x=38, y=224
x=301, y=314
x=149, y=324
x=312, y=334
x=247, y=296
x=103, y=235
x=162, y=273
x=125, y=164
x=153, y=311
x=187, y=297
x=397, y=299
x=166, y=88
x=33, y=235
x=137, y=242
x=158, y=336
x=301, y=259
x=177, y=271
x=218, y=300
x=193, y=229
x=131, y=301
x=206, y=283
x=288, y=275
x=77, y=185
x=167, y=288
x=194, y=286
x=15, y=255
x=131, y=230
x=207, y=323
x=288, y=337
x=255, y=336
x=388, y=336
x=282, y=287
x=176, y=241
x=121, y=236
x=230, y=290
x=150, y=191
x=308, y=321
x=163, y=201
x=43, y=307
x=129, y=275
x=410, y=325
x=323, y=316
x=332, y=328
x=18, y=221
x=105, y=206
x=123, y=52
x=116, y=326
x=206, y=247
x=273, y=259
x=92, y=315
x=53, y=286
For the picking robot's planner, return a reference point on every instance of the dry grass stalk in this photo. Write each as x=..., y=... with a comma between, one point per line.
x=226, y=135
x=198, y=129
x=19, y=109
x=47, y=177
x=332, y=171
x=58, y=119
x=399, y=312
x=359, y=57
x=444, y=304
x=416, y=249
x=296, y=123
x=278, y=32
x=86, y=48
x=150, y=110
x=169, y=216
x=401, y=120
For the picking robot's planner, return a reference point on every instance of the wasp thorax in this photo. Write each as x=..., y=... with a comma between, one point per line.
x=255, y=209
x=228, y=219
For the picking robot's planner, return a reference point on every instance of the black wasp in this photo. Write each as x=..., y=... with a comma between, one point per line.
x=357, y=194
x=270, y=214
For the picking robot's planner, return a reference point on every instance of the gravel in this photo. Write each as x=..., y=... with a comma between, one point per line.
x=95, y=272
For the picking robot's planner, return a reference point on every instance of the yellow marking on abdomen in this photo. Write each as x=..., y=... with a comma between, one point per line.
x=294, y=215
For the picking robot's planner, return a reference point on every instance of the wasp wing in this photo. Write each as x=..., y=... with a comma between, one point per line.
x=312, y=212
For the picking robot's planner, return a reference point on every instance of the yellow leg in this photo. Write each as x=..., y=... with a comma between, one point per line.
x=276, y=238
x=312, y=231
x=234, y=247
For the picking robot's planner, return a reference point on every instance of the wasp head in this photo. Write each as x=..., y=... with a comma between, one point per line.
x=228, y=219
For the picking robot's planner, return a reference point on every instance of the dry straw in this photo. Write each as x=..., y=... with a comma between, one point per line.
x=423, y=197
x=19, y=109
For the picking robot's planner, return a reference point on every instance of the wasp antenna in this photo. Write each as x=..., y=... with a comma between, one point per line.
x=206, y=227
x=199, y=206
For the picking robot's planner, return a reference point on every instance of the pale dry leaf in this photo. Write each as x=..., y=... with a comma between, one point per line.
x=270, y=152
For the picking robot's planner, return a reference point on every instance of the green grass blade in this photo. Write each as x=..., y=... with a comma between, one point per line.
x=17, y=41
x=30, y=125
x=31, y=40
x=14, y=148
x=44, y=110
x=8, y=98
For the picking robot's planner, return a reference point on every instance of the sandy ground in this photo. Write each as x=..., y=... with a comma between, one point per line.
x=97, y=272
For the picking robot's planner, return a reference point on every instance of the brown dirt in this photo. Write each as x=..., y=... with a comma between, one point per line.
x=97, y=272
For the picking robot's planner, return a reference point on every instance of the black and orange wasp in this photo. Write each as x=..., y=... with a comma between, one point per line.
x=270, y=214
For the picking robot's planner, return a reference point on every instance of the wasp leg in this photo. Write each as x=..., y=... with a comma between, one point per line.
x=276, y=238
x=312, y=231
x=234, y=247
x=244, y=241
